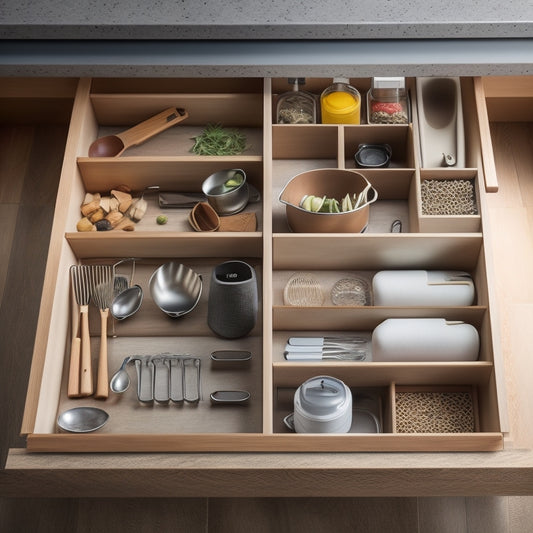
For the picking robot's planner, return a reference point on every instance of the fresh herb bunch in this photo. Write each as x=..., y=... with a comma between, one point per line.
x=216, y=140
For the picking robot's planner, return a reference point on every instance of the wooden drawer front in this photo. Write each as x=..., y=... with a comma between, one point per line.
x=274, y=154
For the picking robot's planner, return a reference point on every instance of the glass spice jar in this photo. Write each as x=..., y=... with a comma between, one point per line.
x=340, y=103
x=387, y=101
x=296, y=107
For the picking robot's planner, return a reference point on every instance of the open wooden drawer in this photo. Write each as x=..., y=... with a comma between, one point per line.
x=275, y=153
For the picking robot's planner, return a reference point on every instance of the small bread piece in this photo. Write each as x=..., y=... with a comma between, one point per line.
x=85, y=224
x=90, y=203
x=137, y=209
x=97, y=215
x=114, y=217
x=123, y=188
x=124, y=200
x=113, y=204
x=105, y=203
x=125, y=224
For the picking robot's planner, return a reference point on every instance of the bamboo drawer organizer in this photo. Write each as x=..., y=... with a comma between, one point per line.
x=274, y=154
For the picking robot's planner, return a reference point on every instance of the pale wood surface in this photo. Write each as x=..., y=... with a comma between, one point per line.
x=435, y=250
x=491, y=178
x=69, y=515
x=425, y=515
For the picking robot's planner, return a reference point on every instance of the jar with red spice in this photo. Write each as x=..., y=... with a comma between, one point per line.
x=388, y=102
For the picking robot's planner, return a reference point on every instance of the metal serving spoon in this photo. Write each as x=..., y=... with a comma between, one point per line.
x=127, y=300
x=82, y=419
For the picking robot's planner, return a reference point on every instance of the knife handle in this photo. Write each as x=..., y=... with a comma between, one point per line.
x=309, y=356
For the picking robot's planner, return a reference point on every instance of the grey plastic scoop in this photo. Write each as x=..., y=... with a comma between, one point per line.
x=82, y=419
x=121, y=379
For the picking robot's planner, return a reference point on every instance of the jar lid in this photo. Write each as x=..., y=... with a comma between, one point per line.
x=322, y=395
x=373, y=155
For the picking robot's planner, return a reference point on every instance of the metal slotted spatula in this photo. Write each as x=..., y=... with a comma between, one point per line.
x=80, y=381
x=102, y=295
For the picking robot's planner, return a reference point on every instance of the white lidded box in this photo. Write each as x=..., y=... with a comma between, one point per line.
x=422, y=288
x=424, y=339
x=323, y=404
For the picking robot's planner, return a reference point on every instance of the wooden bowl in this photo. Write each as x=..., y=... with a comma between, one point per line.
x=333, y=183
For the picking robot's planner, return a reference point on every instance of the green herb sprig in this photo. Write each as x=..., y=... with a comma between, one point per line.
x=216, y=140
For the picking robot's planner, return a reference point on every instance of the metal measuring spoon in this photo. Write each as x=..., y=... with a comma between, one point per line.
x=121, y=379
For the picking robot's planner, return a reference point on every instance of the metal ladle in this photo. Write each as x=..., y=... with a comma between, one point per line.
x=127, y=302
x=120, y=381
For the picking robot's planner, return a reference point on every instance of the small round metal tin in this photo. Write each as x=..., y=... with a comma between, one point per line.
x=373, y=155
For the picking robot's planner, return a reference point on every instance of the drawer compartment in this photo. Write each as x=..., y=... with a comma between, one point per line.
x=274, y=154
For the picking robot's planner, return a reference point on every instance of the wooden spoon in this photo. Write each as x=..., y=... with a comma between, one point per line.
x=114, y=145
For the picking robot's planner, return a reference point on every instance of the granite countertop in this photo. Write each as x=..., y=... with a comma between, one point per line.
x=298, y=38
x=265, y=19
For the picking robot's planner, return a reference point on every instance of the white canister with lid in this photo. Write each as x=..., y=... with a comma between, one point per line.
x=423, y=288
x=424, y=340
x=323, y=404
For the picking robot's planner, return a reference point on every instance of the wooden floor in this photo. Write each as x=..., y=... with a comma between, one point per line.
x=28, y=181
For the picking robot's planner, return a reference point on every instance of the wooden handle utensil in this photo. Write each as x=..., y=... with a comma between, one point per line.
x=114, y=145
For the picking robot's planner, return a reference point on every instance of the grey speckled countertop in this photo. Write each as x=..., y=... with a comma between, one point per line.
x=283, y=38
x=264, y=19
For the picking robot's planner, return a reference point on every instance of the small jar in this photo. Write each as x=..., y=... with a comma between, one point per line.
x=323, y=404
x=340, y=103
x=296, y=107
x=387, y=101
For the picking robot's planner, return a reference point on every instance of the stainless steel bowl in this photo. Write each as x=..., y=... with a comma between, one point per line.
x=175, y=288
x=226, y=200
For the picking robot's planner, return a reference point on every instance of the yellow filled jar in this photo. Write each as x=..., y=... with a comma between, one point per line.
x=340, y=103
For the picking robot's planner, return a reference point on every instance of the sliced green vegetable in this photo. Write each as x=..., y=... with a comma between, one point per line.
x=307, y=202
x=317, y=203
x=235, y=181
x=346, y=204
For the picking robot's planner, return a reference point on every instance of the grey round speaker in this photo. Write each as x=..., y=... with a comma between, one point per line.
x=233, y=300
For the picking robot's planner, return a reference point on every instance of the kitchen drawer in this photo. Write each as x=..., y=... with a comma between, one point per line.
x=274, y=154
x=471, y=243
